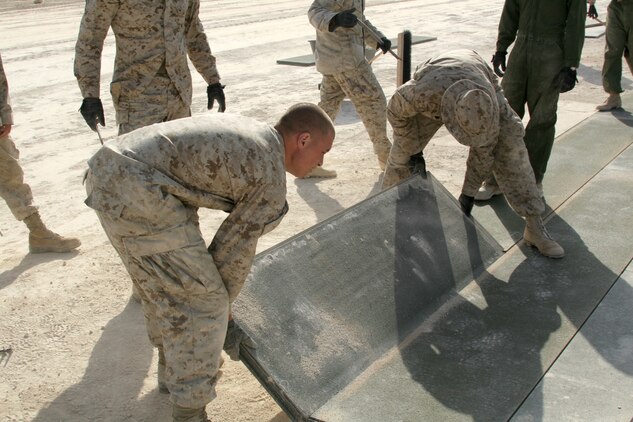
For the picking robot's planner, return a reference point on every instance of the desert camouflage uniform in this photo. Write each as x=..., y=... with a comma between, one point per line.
x=151, y=81
x=13, y=190
x=146, y=187
x=340, y=58
x=549, y=35
x=414, y=114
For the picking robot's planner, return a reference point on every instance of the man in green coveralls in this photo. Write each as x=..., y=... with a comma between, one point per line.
x=548, y=36
x=618, y=43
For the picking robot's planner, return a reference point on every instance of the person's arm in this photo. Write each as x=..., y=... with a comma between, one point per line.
x=508, y=25
x=411, y=133
x=6, y=114
x=198, y=48
x=95, y=24
x=234, y=245
x=575, y=32
x=320, y=14
x=478, y=167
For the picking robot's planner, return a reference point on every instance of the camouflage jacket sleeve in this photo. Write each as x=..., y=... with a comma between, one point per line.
x=508, y=24
x=320, y=15
x=6, y=115
x=412, y=131
x=234, y=245
x=344, y=48
x=575, y=32
x=95, y=23
x=198, y=48
x=478, y=168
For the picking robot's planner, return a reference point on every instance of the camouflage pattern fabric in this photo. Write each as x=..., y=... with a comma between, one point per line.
x=146, y=187
x=549, y=36
x=618, y=43
x=414, y=112
x=13, y=190
x=152, y=38
x=340, y=57
x=364, y=90
x=6, y=114
x=344, y=48
x=160, y=102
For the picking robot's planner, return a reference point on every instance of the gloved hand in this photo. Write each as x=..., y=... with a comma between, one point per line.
x=346, y=19
x=385, y=44
x=417, y=163
x=215, y=92
x=592, y=12
x=499, y=61
x=236, y=338
x=466, y=203
x=566, y=79
x=92, y=111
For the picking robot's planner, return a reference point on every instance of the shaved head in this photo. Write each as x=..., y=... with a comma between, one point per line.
x=308, y=134
x=305, y=117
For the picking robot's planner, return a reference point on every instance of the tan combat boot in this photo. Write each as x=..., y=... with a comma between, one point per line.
x=536, y=235
x=487, y=191
x=43, y=240
x=320, y=172
x=185, y=414
x=612, y=102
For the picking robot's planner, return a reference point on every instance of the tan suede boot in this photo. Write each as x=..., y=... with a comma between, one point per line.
x=185, y=414
x=162, y=384
x=536, y=235
x=43, y=240
x=612, y=102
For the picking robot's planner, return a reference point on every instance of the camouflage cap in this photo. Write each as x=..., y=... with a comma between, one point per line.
x=470, y=113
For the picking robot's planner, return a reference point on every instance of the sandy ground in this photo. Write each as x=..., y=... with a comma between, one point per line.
x=79, y=350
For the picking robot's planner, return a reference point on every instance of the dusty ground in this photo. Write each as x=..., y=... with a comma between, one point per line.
x=79, y=350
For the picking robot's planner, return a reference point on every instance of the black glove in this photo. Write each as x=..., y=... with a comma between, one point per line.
x=592, y=12
x=215, y=92
x=346, y=19
x=417, y=164
x=385, y=44
x=566, y=79
x=92, y=111
x=236, y=338
x=499, y=61
x=466, y=203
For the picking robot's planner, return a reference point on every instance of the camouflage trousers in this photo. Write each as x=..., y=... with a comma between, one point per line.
x=365, y=92
x=13, y=190
x=160, y=102
x=184, y=300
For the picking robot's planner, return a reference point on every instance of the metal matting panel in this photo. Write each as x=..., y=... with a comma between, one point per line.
x=578, y=155
x=308, y=59
x=603, y=389
x=485, y=349
x=328, y=303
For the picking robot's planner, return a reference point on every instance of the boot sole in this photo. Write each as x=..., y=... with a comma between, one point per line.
x=609, y=109
x=51, y=250
x=488, y=197
x=539, y=251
